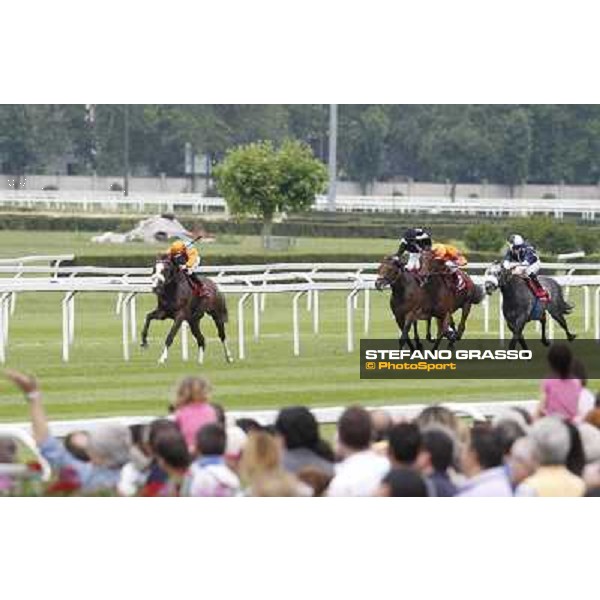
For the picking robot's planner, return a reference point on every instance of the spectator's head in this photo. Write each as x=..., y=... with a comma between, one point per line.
x=156, y=427
x=381, y=421
x=262, y=455
x=523, y=460
x=403, y=483
x=404, y=444
x=248, y=425
x=109, y=445
x=590, y=438
x=553, y=440
x=220, y=412
x=560, y=359
x=579, y=371
x=483, y=452
x=354, y=430
x=77, y=443
x=437, y=450
x=170, y=450
x=438, y=415
x=575, y=457
x=192, y=390
x=8, y=450
x=211, y=440
x=298, y=428
x=316, y=479
x=509, y=431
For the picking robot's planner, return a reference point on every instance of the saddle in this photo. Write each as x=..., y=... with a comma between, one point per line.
x=539, y=291
x=199, y=289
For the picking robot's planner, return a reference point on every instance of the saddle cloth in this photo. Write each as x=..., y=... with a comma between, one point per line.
x=541, y=293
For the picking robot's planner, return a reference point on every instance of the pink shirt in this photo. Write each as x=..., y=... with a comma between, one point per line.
x=191, y=418
x=561, y=397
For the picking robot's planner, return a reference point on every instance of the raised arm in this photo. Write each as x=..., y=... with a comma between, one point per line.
x=29, y=386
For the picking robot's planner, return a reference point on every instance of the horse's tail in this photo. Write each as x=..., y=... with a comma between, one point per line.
x=223, y=307
x=477, y=295
x=565, y=307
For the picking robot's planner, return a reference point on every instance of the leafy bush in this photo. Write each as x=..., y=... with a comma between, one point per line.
x=116, y=187
x=484, y=237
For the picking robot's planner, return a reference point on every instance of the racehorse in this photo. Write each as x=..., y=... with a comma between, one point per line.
x=412, y=302
x=463, y=299
x=177, y=301
x=520, y=305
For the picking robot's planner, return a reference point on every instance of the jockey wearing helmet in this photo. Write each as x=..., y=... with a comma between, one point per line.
x=414, y=241
x=521, y=258
x=187, y=259
x=453, y=260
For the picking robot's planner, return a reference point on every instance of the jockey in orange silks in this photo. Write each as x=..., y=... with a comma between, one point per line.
x=187, y=258
x=453, y=260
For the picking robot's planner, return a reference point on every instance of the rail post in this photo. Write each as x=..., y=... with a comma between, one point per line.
x=241, y=348
x=296, y=321
x=350, y=319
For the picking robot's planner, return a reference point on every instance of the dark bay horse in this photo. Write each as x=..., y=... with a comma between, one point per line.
x=177, y=301
x=464, y=298
x=412, y=302
x=519, y=303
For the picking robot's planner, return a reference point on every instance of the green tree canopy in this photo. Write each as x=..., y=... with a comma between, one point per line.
x=262, y=180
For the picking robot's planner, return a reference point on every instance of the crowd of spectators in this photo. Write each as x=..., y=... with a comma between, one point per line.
x=197, y=451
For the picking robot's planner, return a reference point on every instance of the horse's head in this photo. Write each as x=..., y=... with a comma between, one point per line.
x=388, y=272
x=162, y=273
x=494, y=277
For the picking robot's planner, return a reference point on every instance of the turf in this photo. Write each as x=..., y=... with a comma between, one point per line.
x=21, y=243
x=97, y=382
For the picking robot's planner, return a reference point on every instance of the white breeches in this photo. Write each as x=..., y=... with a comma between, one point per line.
x=527, y=269
x=451, y=266
x=414, y=261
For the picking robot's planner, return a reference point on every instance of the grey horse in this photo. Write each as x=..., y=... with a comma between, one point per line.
x=519, y=303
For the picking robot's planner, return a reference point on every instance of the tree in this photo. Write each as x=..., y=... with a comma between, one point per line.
x=456, y=149
x=258, y=179
x=362, y=142
x=515, y=151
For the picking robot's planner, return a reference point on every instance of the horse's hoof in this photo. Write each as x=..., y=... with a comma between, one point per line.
x=144, y=345
x=545, y=342
x=571, y=336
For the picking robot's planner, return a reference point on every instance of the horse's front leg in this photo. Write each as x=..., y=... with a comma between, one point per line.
x=177, y=322
x=405, y=334
x=429, y=336
x=418, y=344
x=543, y=322
x=464, y=315
x=157, y=313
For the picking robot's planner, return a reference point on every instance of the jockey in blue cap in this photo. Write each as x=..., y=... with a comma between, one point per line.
x=522, y=259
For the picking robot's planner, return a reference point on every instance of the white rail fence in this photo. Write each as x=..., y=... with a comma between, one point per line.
x=586, y=209
x=478, y=411
x=315, y=279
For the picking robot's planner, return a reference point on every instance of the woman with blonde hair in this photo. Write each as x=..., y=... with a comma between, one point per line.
x=192, y=408
x=262, y=471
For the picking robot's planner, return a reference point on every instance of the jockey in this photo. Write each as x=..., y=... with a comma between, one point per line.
x=187, y=258
x=521, y=258
x=414, y=241
x=453, y=260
